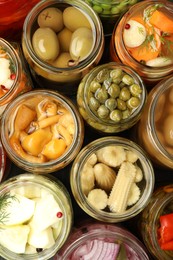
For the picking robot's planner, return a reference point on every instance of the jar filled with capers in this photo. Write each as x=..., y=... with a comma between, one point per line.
x=109, y=11
x=62, y=41
x=111, y=97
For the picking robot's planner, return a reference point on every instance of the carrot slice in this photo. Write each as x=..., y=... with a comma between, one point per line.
x=162, y=21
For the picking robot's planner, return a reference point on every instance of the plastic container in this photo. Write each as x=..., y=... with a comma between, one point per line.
x=110, y=11
x=160, y=205
x=15, y=78
x=111, y=98
x=12, y=16
x=95, y=171
x=146, y=50
x=155, y=127
x=35, y=188
x=42, y=131
x=103, y=237
x=49, y=71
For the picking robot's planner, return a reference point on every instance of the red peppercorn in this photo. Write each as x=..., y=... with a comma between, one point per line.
x=13, y=76
x=3, y=87
x=59, y=214
x=127, y=26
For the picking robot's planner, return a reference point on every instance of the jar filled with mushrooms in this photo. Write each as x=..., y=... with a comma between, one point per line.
x=112, y=179
x=42, y=131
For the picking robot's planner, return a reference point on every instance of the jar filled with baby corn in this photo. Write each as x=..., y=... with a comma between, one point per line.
x=112, y=179
x=143, y=40
x=42, y=131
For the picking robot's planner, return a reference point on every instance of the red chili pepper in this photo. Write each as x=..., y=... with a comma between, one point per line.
x=165, y=231
x=167, y=246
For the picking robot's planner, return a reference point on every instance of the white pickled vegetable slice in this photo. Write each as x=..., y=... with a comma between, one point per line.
x=19, y=210
x=134, y=34
x=43, y=239
x=15, y=238
x=98, y=198
x=159, y=62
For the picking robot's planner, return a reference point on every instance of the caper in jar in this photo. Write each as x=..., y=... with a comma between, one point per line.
x=111, y=101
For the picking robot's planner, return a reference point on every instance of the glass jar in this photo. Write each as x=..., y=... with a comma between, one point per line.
x=35, y=188
x=154, y=130
x=102, y=236
x=15, y=78
x=94, y=174
x=146, y=50
x=42, y=131
x=53, y=71
x=111, y=98
x=160, y=205
x=5, y=164
x=12, y=16
x=109, y=11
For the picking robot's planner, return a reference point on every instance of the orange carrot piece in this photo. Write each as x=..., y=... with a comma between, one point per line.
x=162, y=21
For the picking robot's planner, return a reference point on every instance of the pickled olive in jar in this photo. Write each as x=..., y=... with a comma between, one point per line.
x=45, y=44
x=81, y=43
x=51, y=17
x=73, y=19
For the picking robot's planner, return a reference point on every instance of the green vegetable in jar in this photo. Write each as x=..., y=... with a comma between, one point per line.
x=111, y=101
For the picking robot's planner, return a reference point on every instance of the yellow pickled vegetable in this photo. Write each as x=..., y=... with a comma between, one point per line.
x=54, y=149
x=34, y=143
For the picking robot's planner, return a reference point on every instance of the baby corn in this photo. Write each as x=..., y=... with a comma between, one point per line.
x=118, y=198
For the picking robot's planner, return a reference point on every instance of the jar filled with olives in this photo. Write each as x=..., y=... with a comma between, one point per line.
x=36, y=217
x=154, y=130
x=155, y=223
x=109, y=11
x=112, y=179
x=14, y=76
x=143, y=40
x=111, y=98
x=42, y=131
x=62, y=41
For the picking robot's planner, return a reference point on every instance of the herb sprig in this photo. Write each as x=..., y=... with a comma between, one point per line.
x=5, y=201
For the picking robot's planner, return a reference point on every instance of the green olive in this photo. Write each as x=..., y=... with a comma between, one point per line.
x=124, y=94
x=114, y=90
x=94, y=103
x=45, y=44
x=111, y=103
x=121, y=105
x=64, y=38
x=52, y=18
x=81, y=43
x=103, y=111
x=101, y=95
x=116, y=115
x=62, y=61
x=73, y=19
